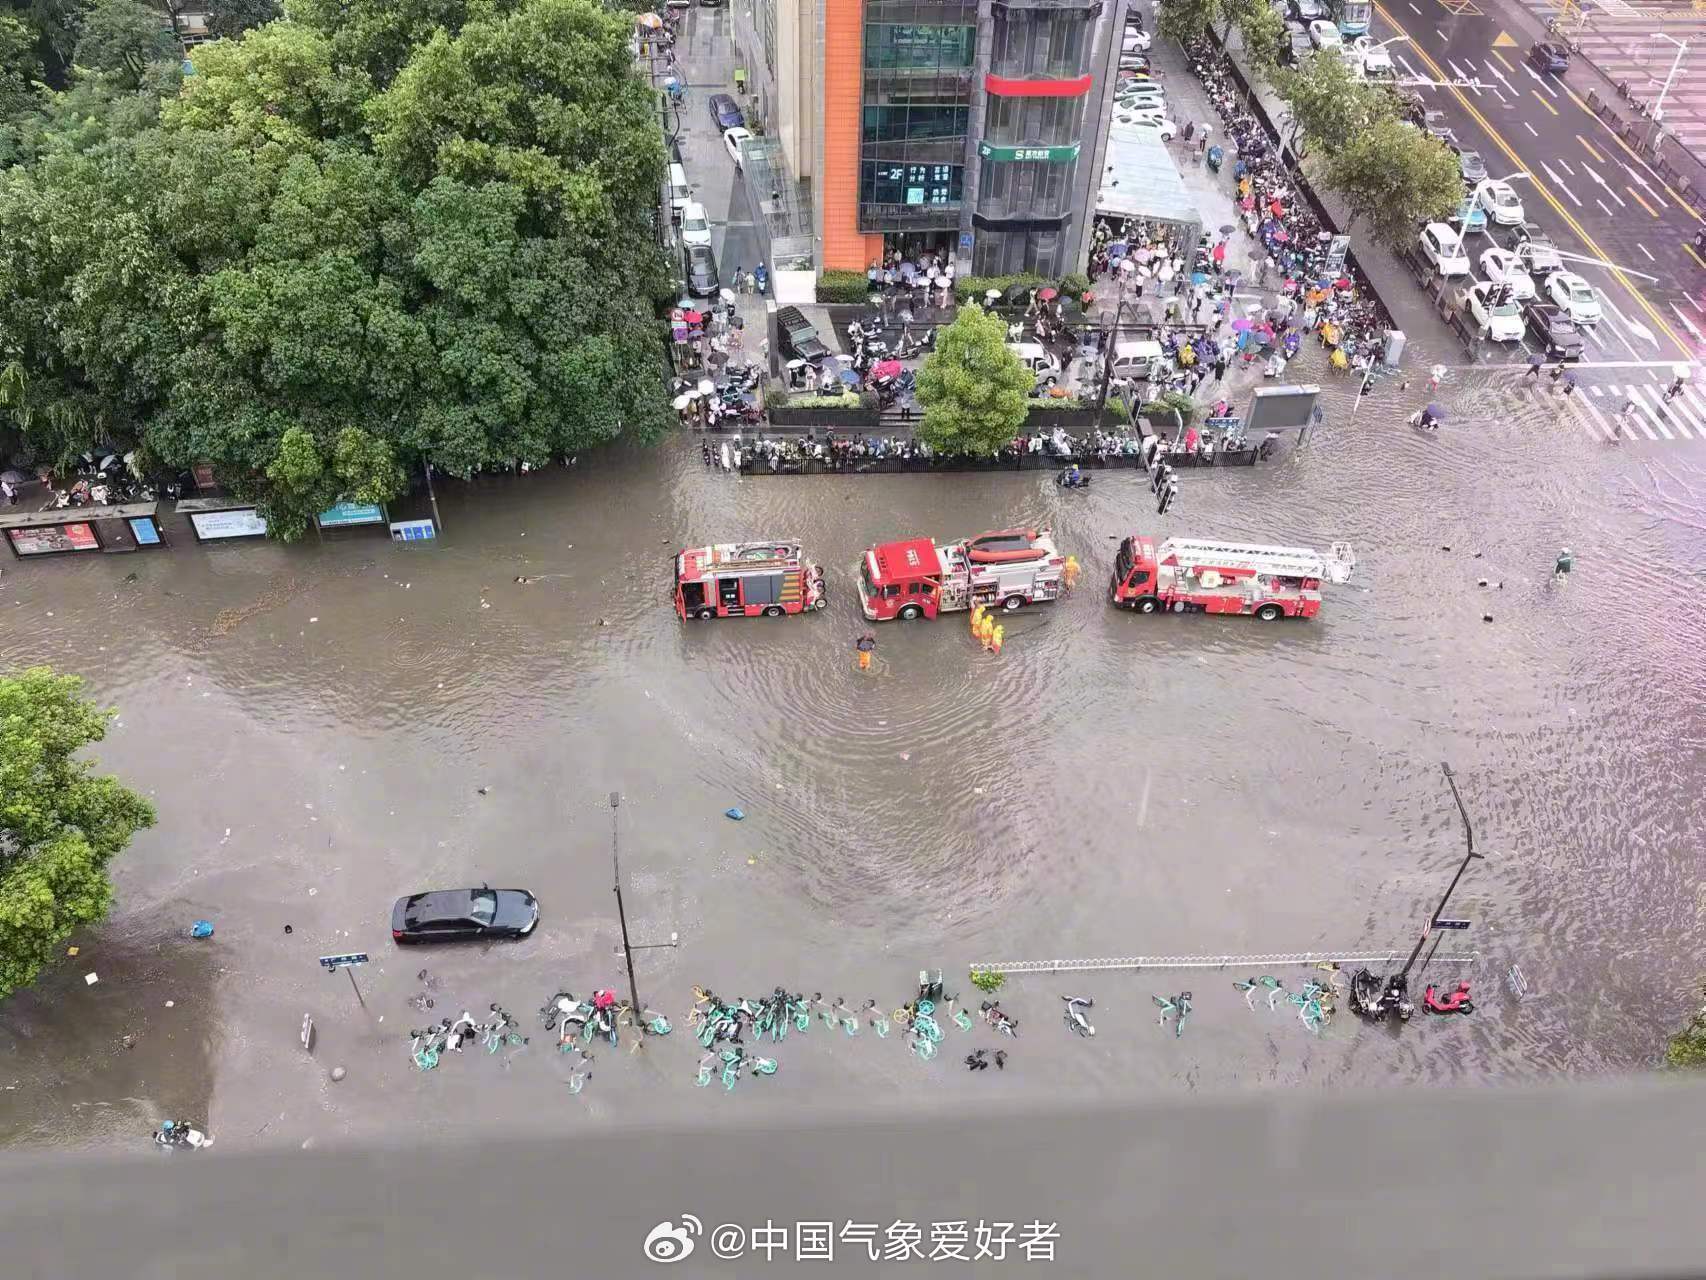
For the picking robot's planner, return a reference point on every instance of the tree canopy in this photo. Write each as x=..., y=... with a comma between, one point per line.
x=1330, y=103
x=973, y=389
x=373, y=234
x=60, y=823
x=1395, y=176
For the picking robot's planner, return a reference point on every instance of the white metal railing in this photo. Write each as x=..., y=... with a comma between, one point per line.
x=1271, y=961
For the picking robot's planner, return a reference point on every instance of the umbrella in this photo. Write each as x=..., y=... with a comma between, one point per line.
x=681, y=402
x=1049, y=294
x=692, y=317
x=886, y=369
x=1434, y=411
x=1228, y=229
x=649, y=20
x=707, y=386
x=727, y=295
x=1240, y=325
x=1199, y=277
x=992, y=295
x=1233, y=277
x=1017, y=292
x=14, y=476
x=796, y=364
x=1282, y=235
x=1680, y=370
x=850, y=377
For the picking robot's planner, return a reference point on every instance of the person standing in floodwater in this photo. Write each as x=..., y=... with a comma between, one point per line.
x=864, y=646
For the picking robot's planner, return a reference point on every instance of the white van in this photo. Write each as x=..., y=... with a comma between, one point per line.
x=1038, y=359
x=678, y=194
x=1138, y=361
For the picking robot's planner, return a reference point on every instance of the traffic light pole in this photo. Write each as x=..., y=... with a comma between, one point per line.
x=1469, y=856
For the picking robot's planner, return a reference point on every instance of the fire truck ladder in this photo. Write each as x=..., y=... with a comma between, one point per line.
x=1132, y=964
x=1285, y=562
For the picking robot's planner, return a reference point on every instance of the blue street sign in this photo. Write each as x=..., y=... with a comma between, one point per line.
x=412, y=530
x=1451, y=924
x=343, y=962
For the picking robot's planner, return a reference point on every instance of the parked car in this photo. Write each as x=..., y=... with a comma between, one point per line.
x=725, y=112
x=695, y=225
x=1135, y=38
x=1434, y=123
x=1501, y=266
x=462, y=915
x=1376, y=62
x=1575, y=296
x=1495, y=312
x=702, y=279
x=1501, y=202
x=1471, y=166
x=1299, y=46
x=1559, y=339
x=1470, y=216
x=1443, y=247
x=799, y=338
x=732, y=139
x=1540, y=258
x=1324, y=34
x=1307, y=11
x=1548, y=57
x=1148, y=120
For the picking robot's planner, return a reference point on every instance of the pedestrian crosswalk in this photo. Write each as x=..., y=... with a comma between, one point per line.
x=1636, y=411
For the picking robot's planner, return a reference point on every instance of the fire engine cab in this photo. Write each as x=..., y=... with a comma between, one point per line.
x=746, y=580
x=1186, y=574
x=918, y=578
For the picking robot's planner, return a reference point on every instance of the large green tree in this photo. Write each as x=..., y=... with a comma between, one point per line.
x=1395, y=176
x=973, y=389
x=1331, y=105
x=122, y=37
x=60, y=823
x=453, y=260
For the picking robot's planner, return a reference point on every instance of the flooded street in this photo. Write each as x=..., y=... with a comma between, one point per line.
x=315, y=724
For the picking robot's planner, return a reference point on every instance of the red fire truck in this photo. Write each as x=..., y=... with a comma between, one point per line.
x=1186, y=574
x=746, y=580
x=918, y=578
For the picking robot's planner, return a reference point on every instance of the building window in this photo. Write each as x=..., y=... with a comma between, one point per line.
x=908, y=46
x=1036, y=44
x=1005, y=253
x=897, y=121
x=1008, y=189
x=1031, y=122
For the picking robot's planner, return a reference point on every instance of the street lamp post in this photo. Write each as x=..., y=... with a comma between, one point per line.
x=1675, y=66
x=1469, y=856
x=621, y=914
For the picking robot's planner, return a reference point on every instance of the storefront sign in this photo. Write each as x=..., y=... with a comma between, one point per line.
x=1336, y=251
x=1051, y=155
x=145, y=531
x=352, y=513
x=241, y=522
x=53, y=539
x=413, y=530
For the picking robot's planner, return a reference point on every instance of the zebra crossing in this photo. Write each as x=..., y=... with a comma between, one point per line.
x=1636, y=411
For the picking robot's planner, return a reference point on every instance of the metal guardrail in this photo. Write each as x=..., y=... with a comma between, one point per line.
x=1282, y=959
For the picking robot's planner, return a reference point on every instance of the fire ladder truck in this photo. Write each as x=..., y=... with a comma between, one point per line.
x=919, y=578
x=1192, y=575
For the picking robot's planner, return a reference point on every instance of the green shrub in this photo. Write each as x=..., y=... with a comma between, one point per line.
x=1059, y=402
x=1162, y=410
x=1687, y=1048
x=988, y=981
x=843, y=286
x=1075, y=284
x=972, y=288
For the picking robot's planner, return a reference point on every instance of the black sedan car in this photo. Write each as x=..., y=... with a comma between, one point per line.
x=1558, y=337
x=459, y=915
x=725, y=112
x=1549, y=58
x=701, y=271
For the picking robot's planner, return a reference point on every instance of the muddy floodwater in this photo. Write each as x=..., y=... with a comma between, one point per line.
x=316, y=725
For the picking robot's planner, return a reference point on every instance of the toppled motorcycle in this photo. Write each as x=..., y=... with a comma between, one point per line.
x=1374, y=997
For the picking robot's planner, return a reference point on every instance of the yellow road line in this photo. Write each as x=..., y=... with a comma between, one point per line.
x=1633, y=155
x=1693, y=254
x=1501, y=58
x=1589, y=146
x=1649, y=208
x=1510, y=152
x=1543, y=102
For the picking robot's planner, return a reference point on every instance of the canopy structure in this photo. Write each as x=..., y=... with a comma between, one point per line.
x=1141, y=181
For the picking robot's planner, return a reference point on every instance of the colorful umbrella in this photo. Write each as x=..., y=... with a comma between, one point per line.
x=849, y=377
x=707, y=386
x=692, y=317
x=886, y=369
x=1240, y=325
x=1049, y=294
x=649, y=20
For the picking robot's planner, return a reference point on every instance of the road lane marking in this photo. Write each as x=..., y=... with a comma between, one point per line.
x=1557, y=182
x=1418, y=12
x=1693, y=254
x=1606, y=207
x=1590, y=148
x=1627, y=394
x=1631, y=190
x=1594, y=174
x=1569, y=219
x=1643, y=249
x=1544, y=103
x=1591, y=421
x=1644, y=184
x=1641, y=403
x=1501, y=58
x=1566, y=165
x=1687, y=323
x=1612, y=134
x=1681, y=413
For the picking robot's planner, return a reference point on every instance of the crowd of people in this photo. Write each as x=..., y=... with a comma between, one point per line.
x=1293, y=255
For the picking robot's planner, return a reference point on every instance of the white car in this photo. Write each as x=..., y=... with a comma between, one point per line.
x=732, y=138
x=1324, y=34
x=1501, y=266
x=1134, y=40
x=1575, y=295
x=1442, y=246
x=1138, y=99
x=1500, y=201
x=1148, y=120
x=1371, y=56
x=1494, y=310
x=695, y=226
